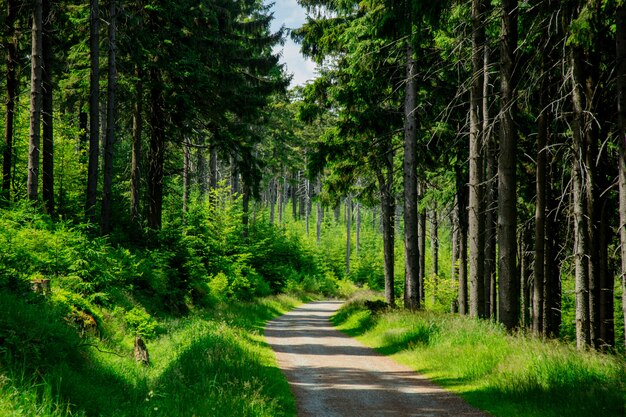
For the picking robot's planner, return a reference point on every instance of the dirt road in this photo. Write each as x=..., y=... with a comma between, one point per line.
x=333, y=375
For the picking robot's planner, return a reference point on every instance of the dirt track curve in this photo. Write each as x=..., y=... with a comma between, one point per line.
x=333, y=375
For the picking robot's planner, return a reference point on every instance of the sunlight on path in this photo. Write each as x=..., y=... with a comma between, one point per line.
x=333, y=375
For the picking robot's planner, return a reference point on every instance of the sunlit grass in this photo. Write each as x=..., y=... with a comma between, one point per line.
x=214, y=362
x=506, y=375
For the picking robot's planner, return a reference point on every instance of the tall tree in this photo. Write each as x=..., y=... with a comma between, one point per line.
x=620, y=20
x=411, y=249
x=11, y=89
x=35, y=101
x=111, y=122
x=94, y=110
x=509, y=285
x=476, y=180
x=47, y=109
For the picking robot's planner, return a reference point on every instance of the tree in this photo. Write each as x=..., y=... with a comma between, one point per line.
x=94, y=110
x=620, y=38
x=11, y=88
x=111, y=119
x=35, y=101
x=509, y=286
x=476, y=180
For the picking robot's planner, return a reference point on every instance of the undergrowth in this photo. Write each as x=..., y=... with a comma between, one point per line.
x=507, y=375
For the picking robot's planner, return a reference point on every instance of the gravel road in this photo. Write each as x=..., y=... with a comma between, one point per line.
x=333, y=375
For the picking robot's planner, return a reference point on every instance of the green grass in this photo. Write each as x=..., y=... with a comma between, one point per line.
x=209, y=362
x=517, y=375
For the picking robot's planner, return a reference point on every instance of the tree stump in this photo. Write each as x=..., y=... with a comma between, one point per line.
x=141, y=351
x=41, y=286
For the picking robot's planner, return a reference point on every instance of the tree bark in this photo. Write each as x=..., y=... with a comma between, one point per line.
x=387, y=203
x=348, y=233
x=11, y=88
x=411, y=249
x=454, y=273
x=421, y=243
x=135, y=165
x=509, y=285
x=186, y=177
x=620, y=19
x=111, y=118
x=202, y=177
x=94, y=111
x=357, y=243
x=35, y=103
x=476, y=175
x=461, y=197
x=434, y=250
x=47, y=112
x=581, y=243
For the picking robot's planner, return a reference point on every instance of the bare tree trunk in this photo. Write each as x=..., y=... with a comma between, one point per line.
x=385, y=184
x=94, y=111
x=186, y=177
x=135, y=170
x=434, y=249
x=234, y=176
x=272, y=199
x=411, y=249
x=489, y=195
x=620, y=19
x=47, y=111
x=213, y=174
x=476, y=177
x=307, y=204
x=454, y=273
x=358, y=228
x=581, y=244
x=348, y=232
x=421, y=244
x=540, y=205
x=461, y=196
x=552, y=288
x=509, y=291
x=202, y=176
x=11, y=87
x=35, y=103
x=111, y=116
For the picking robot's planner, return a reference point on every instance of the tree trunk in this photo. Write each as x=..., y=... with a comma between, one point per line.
x=552, y=288
x=47, y=109
x=94, y=111
x=202, y=176
x=411, y=250
x=35, y=103
x=272, y=199
x=11, y=87
x=621, y=105
x=234, y=176
x=581, y=244
x=320, y=218
x=489, y=195
x=538, y=324
x=421, y=244
x=454, y=273
x=434, y=250
x=358, y=228
x=385, y=184
x=186, y=177
x=111, y=117
x=348, y=233
x=509, y=291
x=461, y=197
x=476, y=177
x=156, y=155
x=135, y=170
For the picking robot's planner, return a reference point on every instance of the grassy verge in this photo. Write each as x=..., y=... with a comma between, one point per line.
x=506, y=375
x=210, y=362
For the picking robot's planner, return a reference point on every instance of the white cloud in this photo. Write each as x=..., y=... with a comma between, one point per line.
x=291, y=15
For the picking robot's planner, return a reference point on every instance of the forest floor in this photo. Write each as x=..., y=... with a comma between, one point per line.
x=332, y=374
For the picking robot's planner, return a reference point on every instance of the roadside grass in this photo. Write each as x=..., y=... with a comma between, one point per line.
x=506, y=375
x=210, y=362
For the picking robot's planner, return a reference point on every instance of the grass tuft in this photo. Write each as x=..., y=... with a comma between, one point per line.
x=506, y=375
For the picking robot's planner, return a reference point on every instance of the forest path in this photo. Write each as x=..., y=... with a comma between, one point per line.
x=334, y=375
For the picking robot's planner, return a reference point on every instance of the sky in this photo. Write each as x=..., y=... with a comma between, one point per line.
x=290, y=14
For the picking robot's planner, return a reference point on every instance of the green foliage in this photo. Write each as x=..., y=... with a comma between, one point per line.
x=140, y=322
